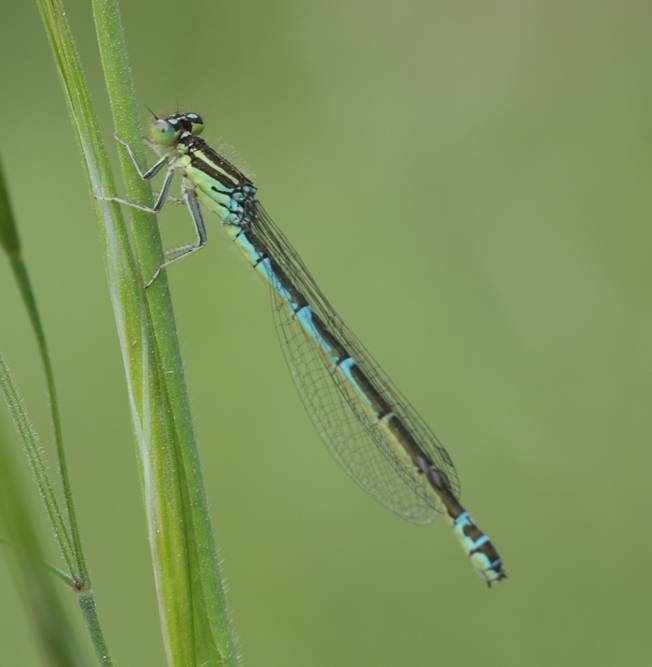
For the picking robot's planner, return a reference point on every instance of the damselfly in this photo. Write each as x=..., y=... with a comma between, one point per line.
x=369, y=426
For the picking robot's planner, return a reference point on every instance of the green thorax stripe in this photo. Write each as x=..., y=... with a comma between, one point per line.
x=204, y=158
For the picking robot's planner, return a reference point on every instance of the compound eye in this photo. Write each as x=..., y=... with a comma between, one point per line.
x=163, y=132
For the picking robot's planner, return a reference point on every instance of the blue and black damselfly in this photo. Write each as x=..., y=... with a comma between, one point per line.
x=369, y=426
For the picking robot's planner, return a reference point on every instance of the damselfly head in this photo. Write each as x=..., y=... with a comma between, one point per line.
x=165, y=131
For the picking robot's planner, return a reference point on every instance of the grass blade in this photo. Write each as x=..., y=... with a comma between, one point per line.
x=67, y=533
x=36, y=461
x=194, y=617
x=60, y=645
x=210, y=618
x=10, y=240
x=35, y=457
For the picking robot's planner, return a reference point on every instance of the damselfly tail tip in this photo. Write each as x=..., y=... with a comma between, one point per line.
x=479, y=548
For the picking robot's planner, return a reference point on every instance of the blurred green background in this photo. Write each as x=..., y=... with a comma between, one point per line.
x=470, y=185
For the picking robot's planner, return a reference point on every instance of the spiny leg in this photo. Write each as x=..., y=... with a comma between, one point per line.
x=173, y=200
x=161, y=199
x=176, y=254
x=148, y=174
x=189, y=199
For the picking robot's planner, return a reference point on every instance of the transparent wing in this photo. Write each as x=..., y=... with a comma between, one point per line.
x=356, y=439
x=356, y=442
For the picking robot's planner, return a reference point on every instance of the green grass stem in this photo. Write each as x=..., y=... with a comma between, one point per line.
x=194, y=617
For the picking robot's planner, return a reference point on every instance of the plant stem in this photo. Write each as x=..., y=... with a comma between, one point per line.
x=114, y=54
x=25, y=286
x=194, y=617
x=35, y=458
x=89, y=612
x=59, y=642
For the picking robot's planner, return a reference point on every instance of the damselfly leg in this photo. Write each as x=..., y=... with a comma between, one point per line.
x=175, y=254
x=189, y=199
